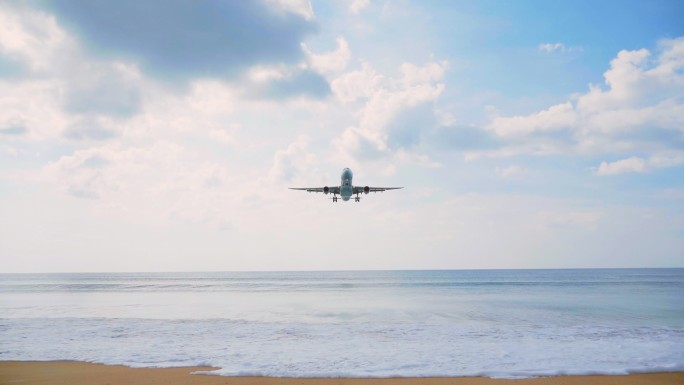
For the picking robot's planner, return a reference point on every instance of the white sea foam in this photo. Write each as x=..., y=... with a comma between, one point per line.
x=356, y=325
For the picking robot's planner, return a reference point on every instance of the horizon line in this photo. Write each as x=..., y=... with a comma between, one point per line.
x=339, y=270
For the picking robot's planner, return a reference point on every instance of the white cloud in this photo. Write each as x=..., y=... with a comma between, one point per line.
x=61, y=87
x=357, y=84
x=511, y=171
x=167, y=160
x=295, y=160
x=557, y=47
x=334, y=61
x=98, y=172
x=163, y=182
x=394, y=113
x=632, y=164
x=385, y=104
x=378, y=113
x=357, y=6
x=112, y=88
x=667, y=114
x=638, y=82
x=640, y=111
x=416, y=159
x=210, y=97
x=627, y=79
x=558, y=117
x=550, y=47
x=280, y=82
x=34, y=105
x=355, y=142
x=208, y=109
x=636, y=164
x=412, y=74
x=298, y=7
x=33, y=37
x=262, y=73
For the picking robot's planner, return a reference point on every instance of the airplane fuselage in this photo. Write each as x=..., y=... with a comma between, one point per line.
x=346, y=187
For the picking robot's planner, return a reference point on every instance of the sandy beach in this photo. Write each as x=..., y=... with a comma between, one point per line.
x=81, y=373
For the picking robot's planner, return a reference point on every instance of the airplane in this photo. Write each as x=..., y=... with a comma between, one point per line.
x=346, y=189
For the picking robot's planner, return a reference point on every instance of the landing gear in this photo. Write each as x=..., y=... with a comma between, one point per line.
x=357, y=198
x=334, y=198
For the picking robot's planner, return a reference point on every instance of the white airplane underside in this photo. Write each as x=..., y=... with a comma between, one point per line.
x=346, y=190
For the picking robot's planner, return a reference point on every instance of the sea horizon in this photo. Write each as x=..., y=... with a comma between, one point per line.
x=337, y=270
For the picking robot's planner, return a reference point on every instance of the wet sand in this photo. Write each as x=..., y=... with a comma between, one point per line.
x=81, y=373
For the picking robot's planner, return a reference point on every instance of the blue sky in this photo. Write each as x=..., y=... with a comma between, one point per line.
x=163, y=135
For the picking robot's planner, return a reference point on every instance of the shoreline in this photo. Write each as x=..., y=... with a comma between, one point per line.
x=85, y=373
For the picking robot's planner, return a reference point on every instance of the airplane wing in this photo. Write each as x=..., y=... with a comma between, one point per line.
x=331, y=190
x=361, y=189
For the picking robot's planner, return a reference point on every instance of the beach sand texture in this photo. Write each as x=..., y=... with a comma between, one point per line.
x=81, y=373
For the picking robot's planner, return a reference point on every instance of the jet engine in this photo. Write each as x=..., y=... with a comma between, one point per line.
x=326, y=190
x=366, y=190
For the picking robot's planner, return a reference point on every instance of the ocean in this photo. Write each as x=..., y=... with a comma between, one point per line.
x=496, y=323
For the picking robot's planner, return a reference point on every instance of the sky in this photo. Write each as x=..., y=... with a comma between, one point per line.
x=163, y=135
